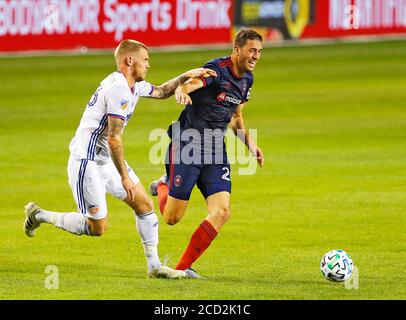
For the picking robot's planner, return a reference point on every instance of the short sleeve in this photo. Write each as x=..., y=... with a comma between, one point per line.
x=117, y=101
x=144, y=88
x=208, y=80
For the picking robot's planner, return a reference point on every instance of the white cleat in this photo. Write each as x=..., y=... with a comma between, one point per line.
x=30, y=223
x=167, y=273
x=153, y=187
x=192, y=274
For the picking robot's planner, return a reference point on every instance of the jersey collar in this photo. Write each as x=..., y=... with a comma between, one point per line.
x=133, y=87
x=230, y=67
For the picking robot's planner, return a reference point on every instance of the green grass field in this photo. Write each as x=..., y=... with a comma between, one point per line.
x=331, y=121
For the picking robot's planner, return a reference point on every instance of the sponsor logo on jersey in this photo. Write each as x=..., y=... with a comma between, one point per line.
x=221, y=97
x=124, y=104
x=224, y=97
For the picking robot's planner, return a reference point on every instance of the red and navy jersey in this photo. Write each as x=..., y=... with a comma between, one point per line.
x=215, y=103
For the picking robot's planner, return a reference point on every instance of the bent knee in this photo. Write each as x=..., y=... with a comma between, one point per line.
x=171, y=219
x=146, y=205
x=222, y=213
x=98, y=231
x=149, y=203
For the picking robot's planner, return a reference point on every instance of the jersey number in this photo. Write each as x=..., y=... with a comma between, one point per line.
x=93, y=100
x=226, y=175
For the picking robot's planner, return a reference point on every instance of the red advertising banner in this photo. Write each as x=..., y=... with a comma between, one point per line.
x=300, y=19
x=74, y=24
x=340, y=18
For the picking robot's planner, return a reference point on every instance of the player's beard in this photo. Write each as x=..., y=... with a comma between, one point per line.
x=138, y=76
x=243, y=65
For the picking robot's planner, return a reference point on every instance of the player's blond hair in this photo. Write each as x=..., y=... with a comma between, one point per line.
x=127, y=46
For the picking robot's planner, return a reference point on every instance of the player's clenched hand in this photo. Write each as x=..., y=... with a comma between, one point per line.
x=182, y=97
x=129, y=186
x=199, y=72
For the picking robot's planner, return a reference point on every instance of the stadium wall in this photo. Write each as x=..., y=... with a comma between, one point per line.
x=37, y=25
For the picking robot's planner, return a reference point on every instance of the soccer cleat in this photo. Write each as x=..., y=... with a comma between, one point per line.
x=30, y=223
x=153, y=187
x=192, y=274
x=167, y=273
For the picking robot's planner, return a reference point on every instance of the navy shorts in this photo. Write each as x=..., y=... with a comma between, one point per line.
x=209, y=178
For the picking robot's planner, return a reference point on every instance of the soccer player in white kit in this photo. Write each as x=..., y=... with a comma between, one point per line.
x=96, y=164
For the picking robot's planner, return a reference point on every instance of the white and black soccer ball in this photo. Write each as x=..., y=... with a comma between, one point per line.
x=336, y=265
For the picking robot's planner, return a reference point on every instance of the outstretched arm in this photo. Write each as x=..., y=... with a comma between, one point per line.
x=238, y=126
x=168, y=88
x=115, y=141
x=182, y=92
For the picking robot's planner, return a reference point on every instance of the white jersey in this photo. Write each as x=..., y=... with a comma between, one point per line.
x=112, y=98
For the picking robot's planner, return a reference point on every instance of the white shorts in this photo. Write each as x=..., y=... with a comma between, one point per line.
x=90, y=181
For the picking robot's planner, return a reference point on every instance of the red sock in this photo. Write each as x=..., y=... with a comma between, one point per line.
x=201, y=239
x=163, y=191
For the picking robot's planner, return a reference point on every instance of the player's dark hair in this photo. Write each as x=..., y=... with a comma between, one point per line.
x=242, y=37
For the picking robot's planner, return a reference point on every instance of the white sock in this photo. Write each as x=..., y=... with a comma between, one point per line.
x=73, y=222
x=147, y=226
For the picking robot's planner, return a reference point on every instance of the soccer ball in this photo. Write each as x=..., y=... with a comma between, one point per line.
x=336, y=265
